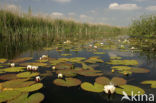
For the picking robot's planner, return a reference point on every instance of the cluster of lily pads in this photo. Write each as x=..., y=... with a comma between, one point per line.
x=17, y=82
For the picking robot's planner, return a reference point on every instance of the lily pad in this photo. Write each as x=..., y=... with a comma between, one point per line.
x=34, y=64
x=34, y=98
x=64, y=66
x=14, y=69
x=94, y=60
x=90, y=72
x=123, y=62
x=66, y=54
x=3, y=60
x=8, y=77
x=115, y=81
x=31, y=88
x=27, y=74
x=92, y=88
x=76, y=59
x=18, y=60
x=85, y=66
x=67, y=72
x=8, y=95
x=68, y=82
x=152, y=82
x=115, y=57
x=99, y=52
x=128, y=89
x=17, y=83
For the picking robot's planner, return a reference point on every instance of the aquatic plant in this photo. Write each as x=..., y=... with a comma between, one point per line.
x=18, y=60
x=27, y=74
x=151, y=82
x=123, y=62
x=68, y=82
x=90, y=72
x=3, y=60
x=109, y=89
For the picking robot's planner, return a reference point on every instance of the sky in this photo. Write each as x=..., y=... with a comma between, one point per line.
x=111, y=12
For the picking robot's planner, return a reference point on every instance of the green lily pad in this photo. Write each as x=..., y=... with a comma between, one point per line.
x=67, y=72
x=115, y=57
x=85, y=66
x=123, y=62
x=64, y=66
x=115, y=81
x=128, y=89
x=152, y=82
x=68, y=82
x=92, y=88
x=8, y=77
x=18, y=60
x=130, y=70
x=66, y=54
x=14, y=69
x=8, y=95
x=34, y=64
x=27, y=74
x=34, y=98
x=31, y=88
x=76, y=59
x=90, y=72
x=3, y=60
x=17, y=83
x=94, y=60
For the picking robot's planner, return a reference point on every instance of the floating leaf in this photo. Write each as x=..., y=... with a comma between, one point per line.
x=18, y=60
x=85, y=66
x=115, y=81
x=64, y=66
x=152, y=82
x=90, y=72
x=27, y=74
x=129, y=89
x=76, y=59
x=66, y=54
x=68, y=82
x=3, y=60
x=8, y=77
x=115, y=57
x=34, y=98
x=8, y=95
x=129, y=70
x=94, y=60
x=31, y=88
x=92, y=88
x=17, y=83
x=123, y=62
x=14, y=69
x=99, y=52
x=67, y=72
x=34, y=64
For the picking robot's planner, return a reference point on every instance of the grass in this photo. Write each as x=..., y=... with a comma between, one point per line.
x=145, y=27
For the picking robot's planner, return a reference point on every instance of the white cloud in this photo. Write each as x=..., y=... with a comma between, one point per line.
x=151, y=8
x=12, y=7
x=57, y=14
x=62, y=1
x=83, y=16
x=116, y=6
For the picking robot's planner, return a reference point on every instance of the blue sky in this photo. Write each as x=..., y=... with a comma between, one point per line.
x=112, y=12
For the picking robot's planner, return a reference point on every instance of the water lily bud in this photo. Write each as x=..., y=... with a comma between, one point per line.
x=12, y=64
x=38, y=79
x=53, y=67
x=60, y=75
x=113, y=70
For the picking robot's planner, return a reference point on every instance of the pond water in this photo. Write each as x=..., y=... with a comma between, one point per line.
x=107, y=58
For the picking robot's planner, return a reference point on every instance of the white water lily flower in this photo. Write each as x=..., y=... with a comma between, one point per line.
x=34, y=68
x=90, y=45
x=53, y=67
x=109, y=89
x=95, y=46
x=29, y=67
x=44, y=56
x=132, y=48
x=122, y=46
x=60, y=75
x=12, y=64
x=37, y=79
x=101, y=43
